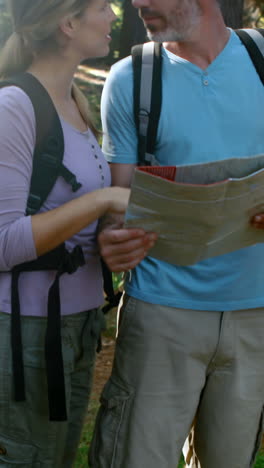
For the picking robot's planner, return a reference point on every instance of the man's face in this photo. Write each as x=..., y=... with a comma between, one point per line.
x=169, y=20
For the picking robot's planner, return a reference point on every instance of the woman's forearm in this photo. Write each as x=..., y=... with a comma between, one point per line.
x=55, y=226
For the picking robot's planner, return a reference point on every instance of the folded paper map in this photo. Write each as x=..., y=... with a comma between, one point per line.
x=199, y=211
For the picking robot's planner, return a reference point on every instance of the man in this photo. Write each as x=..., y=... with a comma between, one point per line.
x=190, y=339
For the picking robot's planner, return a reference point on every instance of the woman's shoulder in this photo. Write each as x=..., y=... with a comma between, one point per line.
x=18, y=122
x=15, y=99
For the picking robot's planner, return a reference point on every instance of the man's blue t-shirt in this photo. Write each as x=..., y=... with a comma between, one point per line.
x=206, y=115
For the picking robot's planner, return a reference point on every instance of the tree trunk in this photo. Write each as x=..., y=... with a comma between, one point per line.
x=132, y=32
x=233, y=12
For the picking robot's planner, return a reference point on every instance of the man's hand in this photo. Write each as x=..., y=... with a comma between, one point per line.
x=122, y=249
x=258, y=221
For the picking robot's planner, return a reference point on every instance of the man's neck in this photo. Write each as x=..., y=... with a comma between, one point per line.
x=205, y=44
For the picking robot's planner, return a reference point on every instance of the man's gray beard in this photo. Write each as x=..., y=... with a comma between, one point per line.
x=170, y=35
x=173, y=35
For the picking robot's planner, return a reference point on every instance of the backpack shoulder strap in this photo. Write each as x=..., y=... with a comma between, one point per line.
x=147, y=67
x=49, y=146
x=253, y=40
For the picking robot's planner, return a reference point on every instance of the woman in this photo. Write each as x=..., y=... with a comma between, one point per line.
x=50, y=38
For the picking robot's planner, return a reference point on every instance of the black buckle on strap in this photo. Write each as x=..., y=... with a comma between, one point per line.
x=72, y=260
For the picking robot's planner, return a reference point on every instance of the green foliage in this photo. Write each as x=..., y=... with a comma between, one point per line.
x=81, y=460
x=254, y=13
x=115, y=34
x=118, y=279
x=5, y=24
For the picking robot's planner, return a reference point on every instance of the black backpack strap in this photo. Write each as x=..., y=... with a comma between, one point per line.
x=64, y=262
x=49, y=147
x=147, y=89
x=112, y=298
x=253, y=40
x=47, y=167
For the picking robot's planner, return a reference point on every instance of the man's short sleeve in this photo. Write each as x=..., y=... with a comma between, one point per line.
x=119, y=131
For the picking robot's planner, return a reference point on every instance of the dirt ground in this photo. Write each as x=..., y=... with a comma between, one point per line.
x=103, y=366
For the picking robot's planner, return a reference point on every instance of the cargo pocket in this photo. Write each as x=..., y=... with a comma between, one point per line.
x=14, y=453
x=109, y=438
x=258, y=440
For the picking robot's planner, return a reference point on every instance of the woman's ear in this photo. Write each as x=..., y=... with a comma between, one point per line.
x=67, y=26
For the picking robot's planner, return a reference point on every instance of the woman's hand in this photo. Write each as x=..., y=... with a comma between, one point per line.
x=118, y=199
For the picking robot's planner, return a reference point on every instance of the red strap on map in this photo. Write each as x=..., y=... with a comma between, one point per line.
x=165, y=172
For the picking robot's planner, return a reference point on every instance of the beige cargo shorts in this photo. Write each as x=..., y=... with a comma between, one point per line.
x=170, y=365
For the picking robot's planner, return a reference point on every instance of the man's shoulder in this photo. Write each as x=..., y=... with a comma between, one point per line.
x=122, y=68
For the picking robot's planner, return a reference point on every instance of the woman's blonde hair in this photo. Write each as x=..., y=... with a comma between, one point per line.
x=35, y=24
x=35, y=28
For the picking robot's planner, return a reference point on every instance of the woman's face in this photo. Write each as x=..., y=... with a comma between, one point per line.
x=93, y=30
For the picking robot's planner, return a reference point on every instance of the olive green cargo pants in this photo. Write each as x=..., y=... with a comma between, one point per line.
x=27, y=438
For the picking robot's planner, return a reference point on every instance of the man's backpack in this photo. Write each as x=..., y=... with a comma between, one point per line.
x=147, y=71
x=47, y=167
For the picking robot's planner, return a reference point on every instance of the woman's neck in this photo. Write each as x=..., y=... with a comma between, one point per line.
x=56, y=74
